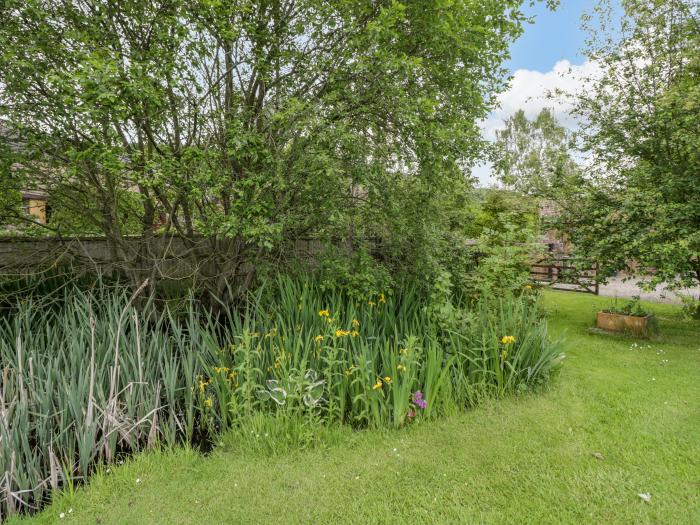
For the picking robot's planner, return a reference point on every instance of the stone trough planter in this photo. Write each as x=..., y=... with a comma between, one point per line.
x=631, y=324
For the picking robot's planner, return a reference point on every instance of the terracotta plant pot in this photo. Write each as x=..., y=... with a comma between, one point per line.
x=631, y=324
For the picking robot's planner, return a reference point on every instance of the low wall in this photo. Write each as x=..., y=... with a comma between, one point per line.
x=175, y=258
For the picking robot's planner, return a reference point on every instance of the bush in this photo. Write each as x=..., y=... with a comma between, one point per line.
x=323, y=355
x=356, y=273
x=691, y=306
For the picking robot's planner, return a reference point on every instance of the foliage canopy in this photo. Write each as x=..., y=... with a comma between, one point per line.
x=638, y=208
x=242, y=126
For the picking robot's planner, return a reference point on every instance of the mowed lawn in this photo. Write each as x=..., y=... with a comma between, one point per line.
x=525, y=460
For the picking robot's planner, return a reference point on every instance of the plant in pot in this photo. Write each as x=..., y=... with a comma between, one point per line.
x=629, y=318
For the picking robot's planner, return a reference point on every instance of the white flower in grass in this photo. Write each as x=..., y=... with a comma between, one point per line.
x=62, y=515
x=138, y=480
x=645, y=496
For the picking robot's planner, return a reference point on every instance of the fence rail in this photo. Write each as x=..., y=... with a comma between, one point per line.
x=565, y=273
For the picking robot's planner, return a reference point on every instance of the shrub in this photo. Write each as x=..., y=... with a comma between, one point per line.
x=691, y=306
x=322, y=354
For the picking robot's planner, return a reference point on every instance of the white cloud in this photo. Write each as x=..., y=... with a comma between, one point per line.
x=533, y=91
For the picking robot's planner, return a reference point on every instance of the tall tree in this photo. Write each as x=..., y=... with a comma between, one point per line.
x=534, y=156
x=639, y=209
x=240, y=126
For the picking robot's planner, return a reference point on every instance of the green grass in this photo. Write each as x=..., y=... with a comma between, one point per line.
x=525, y=460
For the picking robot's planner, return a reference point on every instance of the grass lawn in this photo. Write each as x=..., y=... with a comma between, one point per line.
x=526, y=460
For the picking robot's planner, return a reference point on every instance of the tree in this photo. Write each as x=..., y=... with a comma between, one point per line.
x=639, y=209
x=506, y=229
x=244, y=125
x=534, y=156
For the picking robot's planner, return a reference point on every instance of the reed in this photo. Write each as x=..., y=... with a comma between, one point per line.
x=83, y=383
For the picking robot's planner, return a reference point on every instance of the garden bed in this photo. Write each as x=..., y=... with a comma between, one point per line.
x=97, y=381
x=528, y=460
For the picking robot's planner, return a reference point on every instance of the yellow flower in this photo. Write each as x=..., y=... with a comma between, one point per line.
x=350, y=370
x=324, y=313
x=203, y=384
x=508, y=339
x=387, y=380
x=318, y=338
x=342, y=333
x=355, y=323
x=354, y=333
x=232, y=375
x=371, y=303
x=378, y=384
x=403, y=351
x=208, y=402
x=528, y=287
x=381, y=298
x=400, y=367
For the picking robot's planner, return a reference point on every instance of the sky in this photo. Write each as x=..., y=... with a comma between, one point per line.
x=555, y=35
x=547, y=56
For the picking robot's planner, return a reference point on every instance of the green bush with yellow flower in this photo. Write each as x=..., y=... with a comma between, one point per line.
x=365, y=359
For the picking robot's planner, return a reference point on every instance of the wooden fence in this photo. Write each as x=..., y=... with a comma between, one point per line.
x=22, y=255
x=566, y=273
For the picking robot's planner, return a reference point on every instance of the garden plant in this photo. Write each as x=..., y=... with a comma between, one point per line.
x=92, y=378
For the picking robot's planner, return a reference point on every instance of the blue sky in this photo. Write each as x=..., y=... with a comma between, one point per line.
x=555, y=35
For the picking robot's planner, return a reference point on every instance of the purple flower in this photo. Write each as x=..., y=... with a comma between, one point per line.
x=418, y=399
